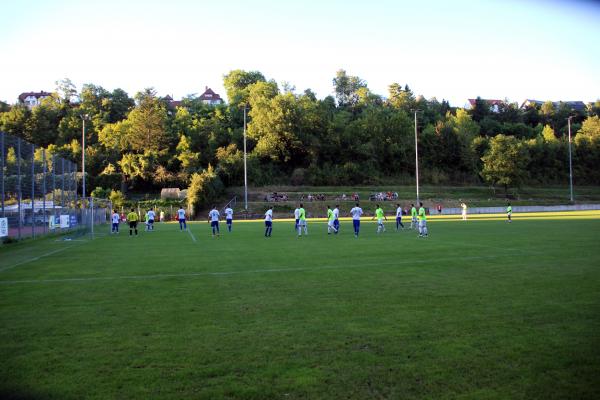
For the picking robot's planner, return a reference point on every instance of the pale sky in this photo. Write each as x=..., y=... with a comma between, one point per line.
x=545, y=50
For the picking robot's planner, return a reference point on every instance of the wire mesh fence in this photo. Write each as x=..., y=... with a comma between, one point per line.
x=38, y=193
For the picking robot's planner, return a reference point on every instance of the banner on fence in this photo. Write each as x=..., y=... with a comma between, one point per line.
x=64, y=221
x=3, y=227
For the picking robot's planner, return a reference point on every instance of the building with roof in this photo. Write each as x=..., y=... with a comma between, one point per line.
x=32, y=99
x=210, y=97
x=574, y=105
x=494, y=104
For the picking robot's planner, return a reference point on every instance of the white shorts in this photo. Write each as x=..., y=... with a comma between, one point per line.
x=331, y=223
x=423, y=223
x=302, y=222
x=380, y=221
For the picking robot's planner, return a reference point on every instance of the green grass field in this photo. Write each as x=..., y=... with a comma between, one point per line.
x=481, y=309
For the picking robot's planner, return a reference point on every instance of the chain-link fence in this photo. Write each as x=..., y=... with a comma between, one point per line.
x=38, y=193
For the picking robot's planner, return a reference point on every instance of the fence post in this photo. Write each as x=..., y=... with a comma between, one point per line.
x=62, y=179
x=2, y=169
x=54, y=191
x=33, y=191
x=45, y=222
x=20, y=224
x=92, y=216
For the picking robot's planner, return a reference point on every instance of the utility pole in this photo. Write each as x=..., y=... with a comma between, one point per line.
x=570, y=161
x=245, y=165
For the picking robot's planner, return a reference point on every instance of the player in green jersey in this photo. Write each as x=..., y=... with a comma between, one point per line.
x=423, y=232
x=413, y=217
x=380, y=217
x=509, y=212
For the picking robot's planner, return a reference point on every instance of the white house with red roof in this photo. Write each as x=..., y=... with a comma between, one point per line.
x=32, y=99
x=210, y=97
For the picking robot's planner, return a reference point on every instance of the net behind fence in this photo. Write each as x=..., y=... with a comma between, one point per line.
x=38, y=193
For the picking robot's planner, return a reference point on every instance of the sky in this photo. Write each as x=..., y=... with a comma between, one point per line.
x=453, y=50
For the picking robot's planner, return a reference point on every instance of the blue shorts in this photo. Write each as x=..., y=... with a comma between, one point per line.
x=398, y=219
x=214, y=223
x=268, y=223
x=356, y=223
x=297, y=220
x=229, y=221
x=182, y=220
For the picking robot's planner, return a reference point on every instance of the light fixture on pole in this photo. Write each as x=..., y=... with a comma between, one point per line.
x=245, y=165
x=84, y=117
x=570, y=161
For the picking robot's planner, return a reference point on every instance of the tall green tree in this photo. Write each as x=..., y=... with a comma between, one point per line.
x=504, y=163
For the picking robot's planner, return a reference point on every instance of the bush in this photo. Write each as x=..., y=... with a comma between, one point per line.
x=205, y=188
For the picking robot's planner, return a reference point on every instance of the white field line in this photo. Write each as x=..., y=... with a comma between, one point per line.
x=34, y=259
x=191, y=234
x=241, y=272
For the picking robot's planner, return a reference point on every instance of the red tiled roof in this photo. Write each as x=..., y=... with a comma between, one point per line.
x=209, y=94
x=491, y=102
x=37, y=95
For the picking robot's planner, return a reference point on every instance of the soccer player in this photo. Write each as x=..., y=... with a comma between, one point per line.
x=150, y=215
x=229, y=217
x=181, y=218
x=297, y=218
x=269, y=222
x=115, y=217
x=413, y=217
x=356, y=212
x=464, y=211
x=336, y=216
x=399, y=217
x=213, y=218
x=380, y=217
x=509, y=212
x=423, y=232
x=132, y=218
x=330, y=221
x=302, y=221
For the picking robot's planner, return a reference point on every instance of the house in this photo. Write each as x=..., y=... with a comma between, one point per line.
x=574, y=105
x=493, y=103
x=32, y=99
x=210, y=97
x=173, y=103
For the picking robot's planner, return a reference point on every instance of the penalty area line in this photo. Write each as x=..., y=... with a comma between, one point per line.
x=191, y=234
x=34, y=259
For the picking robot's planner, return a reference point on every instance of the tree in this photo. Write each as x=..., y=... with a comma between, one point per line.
x=480, y=110
x=204, y=189
x=147, y=124
x=346, y=88
x=505, y=161
x=591, y=128
x=401, y=98
x=548, y=134
x=236, y=84
x=66, y=90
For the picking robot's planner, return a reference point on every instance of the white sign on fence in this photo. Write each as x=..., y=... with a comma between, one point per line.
x=64, y=221
x=3, y=227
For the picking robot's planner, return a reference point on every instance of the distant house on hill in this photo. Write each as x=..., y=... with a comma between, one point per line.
x=173, y=103
x=493, y=103
x=210, y=97
x=32, y=99
x=574, y=105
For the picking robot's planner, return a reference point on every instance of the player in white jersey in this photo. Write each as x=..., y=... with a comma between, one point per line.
x=464, y=211
x=399, y=223
x=181, y=219
x=269, y=222
x=213, y=218
x=150, y=215
x=297, y=218
x=115, y=218
x=336, y=216
x=356, y=212
x=229, y=217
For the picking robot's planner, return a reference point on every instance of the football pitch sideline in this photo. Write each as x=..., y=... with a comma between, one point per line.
x=481, y=309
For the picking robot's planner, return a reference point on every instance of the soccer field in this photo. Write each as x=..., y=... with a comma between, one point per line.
x=481, y=309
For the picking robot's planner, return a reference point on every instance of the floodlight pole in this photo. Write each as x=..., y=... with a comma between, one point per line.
x=84, y=117
x=245, y=166
x=570, y=161
x=416, y=157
